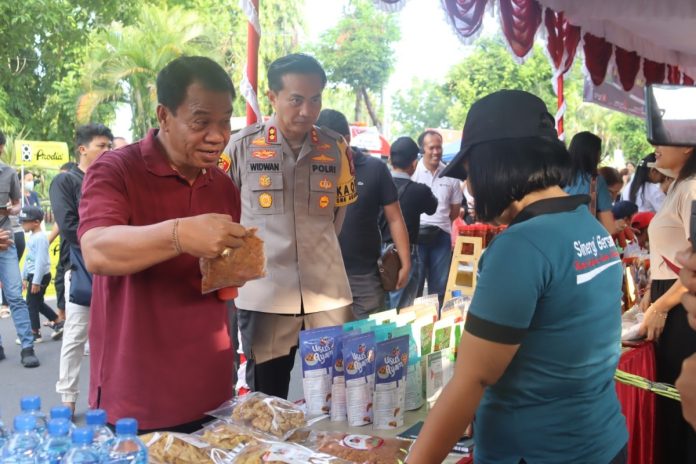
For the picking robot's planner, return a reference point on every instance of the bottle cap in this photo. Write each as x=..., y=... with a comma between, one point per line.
x=96, y=417
x=61, y=412
x=24, y=423
x=58, y=427
x=126, y=426
x=82, y=436
x=456, y=293
x=30, y=403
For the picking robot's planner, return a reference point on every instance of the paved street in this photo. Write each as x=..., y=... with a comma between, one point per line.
x=17, y=381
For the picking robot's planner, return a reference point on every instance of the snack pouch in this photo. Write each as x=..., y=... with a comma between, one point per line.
x=440, y=369
x=422, y=331
x=443, y=334
x=317, y=348
x=405, y=319
x=270, y=416
x=456, y=307
x=359, y=365
x=363, y=325
x=383, y=316
x=226, y=436
x=363, y=449
x=235, y=266
x=413, y=391
x=429, y=300
x=391, y=362
x=384, y=331
x=179, y=448
x=338, y=382
x=269, y=452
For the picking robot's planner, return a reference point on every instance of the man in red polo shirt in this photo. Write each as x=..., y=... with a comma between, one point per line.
x=160, y=351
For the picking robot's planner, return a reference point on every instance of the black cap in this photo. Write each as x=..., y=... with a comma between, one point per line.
x=404, y=148
x=31, y=213
x=506, y=114
x=624, y=209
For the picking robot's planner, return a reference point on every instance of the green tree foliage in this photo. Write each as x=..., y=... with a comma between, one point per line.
x=358, y=52
x=423, y=105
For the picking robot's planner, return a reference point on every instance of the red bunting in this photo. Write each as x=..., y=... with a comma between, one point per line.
x=653, y=71
x=688, y=80
x=674, y=75
x=466, y=15
x=597, y=55
x=521, y=19
x=562, y=40
x=628, y=65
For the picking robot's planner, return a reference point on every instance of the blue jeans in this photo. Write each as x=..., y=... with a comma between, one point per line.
x=12, y=286
x=404, y=297
x=434, y=264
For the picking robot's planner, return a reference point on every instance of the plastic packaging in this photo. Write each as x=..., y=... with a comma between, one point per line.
x=391, y=361
x=63, y=412
x=179, y=448
x=127, y=447
x=82, y=451
x=102, y=436
x=24, y=444
x=4, y=435
x=225, y=436
x=317, y=349
x=456, y=307
x=440, y=369
x=384, y=316
x=32, y=405
x=274, y=417
x=362, y=325
x=282, y=453
x=338, y=381
x=359, y=365
x=364, y=449
x=57, y=443
x=235, y=266
x=428, y=300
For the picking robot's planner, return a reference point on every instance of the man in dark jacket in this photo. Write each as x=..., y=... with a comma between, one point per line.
x=92, y=141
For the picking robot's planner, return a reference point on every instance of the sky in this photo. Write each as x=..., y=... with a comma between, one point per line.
x=428, y=47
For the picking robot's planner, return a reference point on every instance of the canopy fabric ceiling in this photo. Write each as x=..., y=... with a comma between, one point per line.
x=656, y=37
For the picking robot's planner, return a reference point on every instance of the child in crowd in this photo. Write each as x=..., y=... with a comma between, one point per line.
x=623, y=212
x=37, y=272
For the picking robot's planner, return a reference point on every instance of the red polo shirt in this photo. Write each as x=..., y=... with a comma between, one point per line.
x=160, y=351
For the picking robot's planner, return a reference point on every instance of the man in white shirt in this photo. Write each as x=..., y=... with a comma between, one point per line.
x=434, y=243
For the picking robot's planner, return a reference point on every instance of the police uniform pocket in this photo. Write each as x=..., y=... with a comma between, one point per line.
x=322, y=194
x=266, y=192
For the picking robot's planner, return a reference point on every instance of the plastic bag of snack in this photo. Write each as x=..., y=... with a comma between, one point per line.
x=363, y=449
x=359, y=365
x=338, y=381
x=317, y=348
x=384, y=316
x=457, y=307
x=235, y=266
x=391, y=362
x=226, y=436
x=361, y=325
x=431, y=300
x=179, y=448
x=282, y=453
x=272, y=416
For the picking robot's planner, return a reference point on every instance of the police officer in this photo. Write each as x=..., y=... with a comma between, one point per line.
x=295, y=180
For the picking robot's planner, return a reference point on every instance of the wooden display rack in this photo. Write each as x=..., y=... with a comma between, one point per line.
x=467, y=252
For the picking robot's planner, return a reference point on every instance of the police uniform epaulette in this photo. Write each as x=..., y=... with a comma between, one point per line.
x=247, y=131
x=330, y=132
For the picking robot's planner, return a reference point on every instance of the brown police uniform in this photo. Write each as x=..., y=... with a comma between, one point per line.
x=296, y=202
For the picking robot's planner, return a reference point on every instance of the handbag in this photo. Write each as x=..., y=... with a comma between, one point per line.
x=427, y=234
x=389, y=266
x=80, y=279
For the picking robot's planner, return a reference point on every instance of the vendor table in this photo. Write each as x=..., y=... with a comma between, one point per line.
x=638, y=405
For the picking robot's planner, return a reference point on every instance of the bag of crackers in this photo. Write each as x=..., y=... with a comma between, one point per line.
x=226, y=436
x=271, y=416
x=268, y=452
x=235, y=266
x=362, y=449
x=179, y=448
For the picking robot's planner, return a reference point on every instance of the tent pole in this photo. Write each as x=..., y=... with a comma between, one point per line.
x=561, y=110
x=252, y=62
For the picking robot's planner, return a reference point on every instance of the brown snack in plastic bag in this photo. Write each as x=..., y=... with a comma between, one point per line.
x=235, y=266
x=363, y=449
x=268, y=414
x=225, y=436
x=174, y=448
x=282, y=453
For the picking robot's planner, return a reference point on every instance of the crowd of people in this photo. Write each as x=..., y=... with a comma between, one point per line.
x=541, y=346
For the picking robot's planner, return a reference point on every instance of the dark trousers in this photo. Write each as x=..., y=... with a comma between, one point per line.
x=20, y=243
x=675, y=439
x=35, y=302
x=59, y=283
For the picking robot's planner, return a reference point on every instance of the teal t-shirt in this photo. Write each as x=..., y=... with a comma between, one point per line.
x=581, y=186
x=551, y=283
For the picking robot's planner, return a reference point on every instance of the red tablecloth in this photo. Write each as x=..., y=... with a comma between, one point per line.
x=638, y=405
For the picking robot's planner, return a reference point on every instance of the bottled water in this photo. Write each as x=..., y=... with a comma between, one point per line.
x=23, y=445
x=127, y=447
x=103, y=436
x=4, y=435
x=32, y=405
x=82, y=451
x=63, y=412
x=57, y=443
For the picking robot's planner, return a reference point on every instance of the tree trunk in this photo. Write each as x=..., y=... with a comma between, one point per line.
x=370, y=110
x=358, y=100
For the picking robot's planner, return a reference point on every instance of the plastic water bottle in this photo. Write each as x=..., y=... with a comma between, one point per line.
x=103, y=436
x=4, y=435
x=63, y=412
x=32, y=405
x=127, y=447
x=57, y=443
x=23, y=446
x=82, y=451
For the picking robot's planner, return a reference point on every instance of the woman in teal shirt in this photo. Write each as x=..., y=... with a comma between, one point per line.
x=542, y=337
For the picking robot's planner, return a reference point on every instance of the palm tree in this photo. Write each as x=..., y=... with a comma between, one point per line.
x=124, y=61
